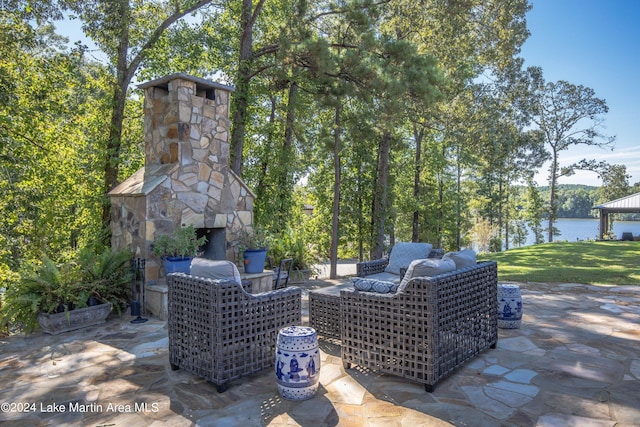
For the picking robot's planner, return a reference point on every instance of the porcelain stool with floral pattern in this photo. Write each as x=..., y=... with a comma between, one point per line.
x=509, y=306
x=297, y=362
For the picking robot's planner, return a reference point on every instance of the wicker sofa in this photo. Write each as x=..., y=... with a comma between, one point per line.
x=430, y=327
x=324, y=304
x=220, y=332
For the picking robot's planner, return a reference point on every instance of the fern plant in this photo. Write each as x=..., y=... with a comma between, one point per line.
x=45, y=290
x=106, y=276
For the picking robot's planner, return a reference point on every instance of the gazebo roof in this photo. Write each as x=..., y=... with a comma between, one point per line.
x=623, y=205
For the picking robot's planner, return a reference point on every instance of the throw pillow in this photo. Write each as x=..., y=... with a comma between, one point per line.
x=403, y=253
x=464, y=258
x=211, y=269
x=373, y=285
x=427, y=267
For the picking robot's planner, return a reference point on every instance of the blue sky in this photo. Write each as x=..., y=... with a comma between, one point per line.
x=594, y=43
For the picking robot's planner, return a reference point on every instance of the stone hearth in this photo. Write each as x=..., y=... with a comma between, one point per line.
x=186, y=179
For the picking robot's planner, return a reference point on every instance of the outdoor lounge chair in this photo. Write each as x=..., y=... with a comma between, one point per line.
x=281, y=273
x=220, y=332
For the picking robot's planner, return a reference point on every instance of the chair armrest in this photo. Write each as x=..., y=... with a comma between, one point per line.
x=367, y=268
x=247, y=285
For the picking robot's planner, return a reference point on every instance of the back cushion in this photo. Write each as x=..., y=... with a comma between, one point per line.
x=212, y=269
x=403, y=253
x=427, y=267
x=464, y=258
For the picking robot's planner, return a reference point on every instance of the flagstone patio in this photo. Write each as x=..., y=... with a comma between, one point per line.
x=575, y=361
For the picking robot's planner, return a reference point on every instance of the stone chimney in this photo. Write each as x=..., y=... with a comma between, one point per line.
x=186, y=179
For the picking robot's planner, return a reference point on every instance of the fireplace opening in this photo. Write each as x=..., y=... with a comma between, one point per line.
x=216, y=246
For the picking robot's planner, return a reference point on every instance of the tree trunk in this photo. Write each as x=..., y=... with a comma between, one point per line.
x=504, y=212
x=284, y=189
x=552, y=194
x=335, y=235
x=261, y=186
x=240, y=98
x=113, y=148
x=441, y=213
x=361, y=223
x=458, y=199
x=415, y=227
x=378, y=213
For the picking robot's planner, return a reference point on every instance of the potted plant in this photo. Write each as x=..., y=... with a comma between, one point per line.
x=178, y=249
x=254, y=244
x=57, y=297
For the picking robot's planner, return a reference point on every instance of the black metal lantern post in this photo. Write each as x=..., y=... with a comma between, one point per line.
x=137, y=288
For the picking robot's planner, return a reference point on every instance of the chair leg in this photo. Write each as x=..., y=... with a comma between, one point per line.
x=174, y=367
x=221, y=388
x=429, y=388
x=346, y=365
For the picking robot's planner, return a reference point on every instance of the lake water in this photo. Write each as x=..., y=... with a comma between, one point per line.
x=573, y=229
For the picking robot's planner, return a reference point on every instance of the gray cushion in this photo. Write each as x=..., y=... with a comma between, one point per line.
x=464, y=258
x=427, y=267
x=212, y=269
x=367, y=284
x=404, y=252
x=385, y=277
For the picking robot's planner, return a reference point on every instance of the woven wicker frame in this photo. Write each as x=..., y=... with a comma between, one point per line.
x=324, y=310
x=220, y=332
x=324, y=314
x=425, y=331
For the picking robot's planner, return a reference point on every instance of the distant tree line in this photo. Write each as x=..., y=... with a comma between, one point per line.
x=577, y=201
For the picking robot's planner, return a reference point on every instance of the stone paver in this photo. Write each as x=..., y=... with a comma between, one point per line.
x=574, y=361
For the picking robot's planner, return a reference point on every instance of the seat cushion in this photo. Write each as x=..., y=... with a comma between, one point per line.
x=464, y=258
x=367, y=284
x=427, y=267
x=403, y=253
x=385, y=277
x=213, y=269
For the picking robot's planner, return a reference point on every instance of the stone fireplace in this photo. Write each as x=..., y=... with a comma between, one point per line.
x=186, y=179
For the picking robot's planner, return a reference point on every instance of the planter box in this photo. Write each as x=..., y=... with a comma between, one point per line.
x=58, y=323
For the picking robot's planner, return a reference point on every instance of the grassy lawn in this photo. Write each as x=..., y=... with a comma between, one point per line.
x=589, y=262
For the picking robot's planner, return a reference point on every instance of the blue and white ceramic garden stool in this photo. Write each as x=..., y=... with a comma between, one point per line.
x=297, y=362
x=509, y=306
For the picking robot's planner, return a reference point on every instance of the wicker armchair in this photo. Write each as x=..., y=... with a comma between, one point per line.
x=220, y=332
x=427, y=329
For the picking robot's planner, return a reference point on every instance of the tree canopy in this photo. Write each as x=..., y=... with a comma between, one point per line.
x=393, y=119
